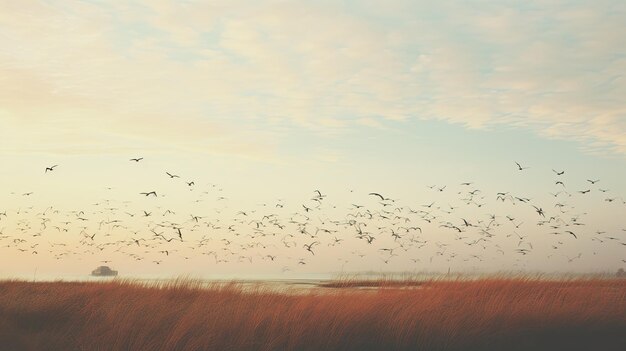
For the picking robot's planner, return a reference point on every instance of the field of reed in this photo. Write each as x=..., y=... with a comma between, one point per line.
x=483, y=314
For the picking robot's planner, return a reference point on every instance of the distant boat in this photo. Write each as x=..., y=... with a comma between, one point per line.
x=103, y=271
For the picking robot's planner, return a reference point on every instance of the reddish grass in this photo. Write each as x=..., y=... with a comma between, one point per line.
x=486, y=314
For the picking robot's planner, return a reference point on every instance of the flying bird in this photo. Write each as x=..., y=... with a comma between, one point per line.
x=309, y=247
x=136, y=159
x=50, y=168
x=519, y=167
x=382, y=198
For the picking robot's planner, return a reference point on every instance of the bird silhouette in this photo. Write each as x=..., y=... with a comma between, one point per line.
x=51, y=168
x=520, y=168
x=309, y=247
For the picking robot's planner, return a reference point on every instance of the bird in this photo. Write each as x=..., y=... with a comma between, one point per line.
x=539, y=210
x=180, y=235
x=573, y=258
x=136, y=159
x=593, y=181
x=309, y=247
x=382, y=198
x=50, y=168
x=572, y=233
x=149, y=193
x=172, y=175
x=520, y=168
x=558, y=173
x=190, y=183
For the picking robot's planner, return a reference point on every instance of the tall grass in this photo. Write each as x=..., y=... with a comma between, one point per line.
x=484, y=314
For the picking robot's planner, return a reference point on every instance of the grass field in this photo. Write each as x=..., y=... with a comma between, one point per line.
x=484, y=314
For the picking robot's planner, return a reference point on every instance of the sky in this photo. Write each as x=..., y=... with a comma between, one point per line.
x=260, y=103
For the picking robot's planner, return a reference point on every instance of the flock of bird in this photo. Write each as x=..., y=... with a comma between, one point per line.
x=290, y=235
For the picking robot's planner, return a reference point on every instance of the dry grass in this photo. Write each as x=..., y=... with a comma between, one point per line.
x=485, y=314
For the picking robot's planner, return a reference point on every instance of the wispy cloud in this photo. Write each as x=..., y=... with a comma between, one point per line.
x=197, y=74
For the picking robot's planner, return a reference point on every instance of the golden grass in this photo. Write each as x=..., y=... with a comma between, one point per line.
x=484, y=314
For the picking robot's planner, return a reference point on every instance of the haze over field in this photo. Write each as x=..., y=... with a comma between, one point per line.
x=286, y=138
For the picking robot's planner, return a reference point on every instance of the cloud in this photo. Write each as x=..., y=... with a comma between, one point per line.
x=192, y=74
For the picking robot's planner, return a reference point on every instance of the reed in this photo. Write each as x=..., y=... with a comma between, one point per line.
x=479, y=314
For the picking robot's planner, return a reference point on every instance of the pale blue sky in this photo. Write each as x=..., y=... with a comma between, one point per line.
x=274, y=99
